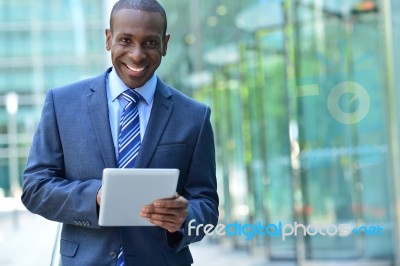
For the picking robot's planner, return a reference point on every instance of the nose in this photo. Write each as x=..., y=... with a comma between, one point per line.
x=136, y=53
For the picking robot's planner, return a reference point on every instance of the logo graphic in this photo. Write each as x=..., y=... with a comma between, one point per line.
x=348, y=100
x=282, y=230
x=359, y=96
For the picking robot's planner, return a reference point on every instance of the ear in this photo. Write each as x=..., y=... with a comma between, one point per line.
x=108, y=39
x=165, y=44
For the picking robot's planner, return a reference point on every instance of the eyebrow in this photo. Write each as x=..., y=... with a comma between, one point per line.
x=156, y=36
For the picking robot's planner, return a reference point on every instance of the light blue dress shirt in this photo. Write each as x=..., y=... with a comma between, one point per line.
x=116, y=103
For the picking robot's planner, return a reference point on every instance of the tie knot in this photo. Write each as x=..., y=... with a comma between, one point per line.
x=131, y=95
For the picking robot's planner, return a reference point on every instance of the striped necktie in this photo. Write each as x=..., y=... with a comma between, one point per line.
x=128, y=139
x=129, y=130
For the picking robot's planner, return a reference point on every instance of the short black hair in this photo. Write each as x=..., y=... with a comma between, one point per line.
x=143, y=5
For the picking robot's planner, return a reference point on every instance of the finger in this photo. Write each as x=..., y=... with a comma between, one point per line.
x=172, y=211
x=164, y=218
x=179, y=202
x=175, y=214
x=147, y=209
x=98, y=197
x=171, y=227
x=150, y=209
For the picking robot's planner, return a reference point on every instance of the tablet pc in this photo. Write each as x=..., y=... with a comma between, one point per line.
x=125, y=191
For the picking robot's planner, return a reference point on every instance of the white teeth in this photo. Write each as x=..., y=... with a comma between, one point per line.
x=135, y=69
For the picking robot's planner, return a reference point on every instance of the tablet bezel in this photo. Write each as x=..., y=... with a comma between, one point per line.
x=126, y=190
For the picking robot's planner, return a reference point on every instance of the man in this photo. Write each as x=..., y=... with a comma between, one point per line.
x=77, y=138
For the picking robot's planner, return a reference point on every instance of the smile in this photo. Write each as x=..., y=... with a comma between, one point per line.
x=135, y=69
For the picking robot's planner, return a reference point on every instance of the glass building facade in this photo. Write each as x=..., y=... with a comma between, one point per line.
x=304, y=97
x=43, y=44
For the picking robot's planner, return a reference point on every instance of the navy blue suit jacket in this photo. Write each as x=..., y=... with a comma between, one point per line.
x=73, y=144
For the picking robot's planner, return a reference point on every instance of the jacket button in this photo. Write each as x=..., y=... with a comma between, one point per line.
x=113, y=255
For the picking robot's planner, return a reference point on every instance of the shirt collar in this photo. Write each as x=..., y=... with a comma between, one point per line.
x=117, y=86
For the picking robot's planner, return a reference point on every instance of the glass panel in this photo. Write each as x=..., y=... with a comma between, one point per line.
x=344, y=149
x=15, y=43
x=4, y=180
x=55, y=40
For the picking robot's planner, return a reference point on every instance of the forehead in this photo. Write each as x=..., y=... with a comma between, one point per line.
x=131, y=20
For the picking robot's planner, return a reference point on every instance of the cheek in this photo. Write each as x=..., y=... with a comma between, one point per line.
x=157, y=56
x=116, y=52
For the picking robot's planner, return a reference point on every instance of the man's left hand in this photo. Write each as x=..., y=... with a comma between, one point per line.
x=167, y=213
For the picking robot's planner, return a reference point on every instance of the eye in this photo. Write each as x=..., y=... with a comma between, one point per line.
x=151, y=43
x=125, y=40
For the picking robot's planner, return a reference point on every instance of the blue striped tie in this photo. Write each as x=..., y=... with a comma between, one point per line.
x=128, y=139
x=129, y=134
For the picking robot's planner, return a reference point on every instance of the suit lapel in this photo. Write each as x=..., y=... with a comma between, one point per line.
x=159, y=116
x=98, y=109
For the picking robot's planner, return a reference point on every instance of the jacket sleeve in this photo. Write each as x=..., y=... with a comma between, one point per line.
x=200, y=189
x=47, y=190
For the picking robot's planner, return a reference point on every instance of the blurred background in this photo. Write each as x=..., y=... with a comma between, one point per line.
x=304, y=96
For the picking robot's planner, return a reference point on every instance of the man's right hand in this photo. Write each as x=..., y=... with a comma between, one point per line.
x=98, y=197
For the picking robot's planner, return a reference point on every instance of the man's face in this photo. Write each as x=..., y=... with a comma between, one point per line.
x=137, y=45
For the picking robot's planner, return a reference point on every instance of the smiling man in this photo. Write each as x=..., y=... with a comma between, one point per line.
x=80, y=134
x=137, y=40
